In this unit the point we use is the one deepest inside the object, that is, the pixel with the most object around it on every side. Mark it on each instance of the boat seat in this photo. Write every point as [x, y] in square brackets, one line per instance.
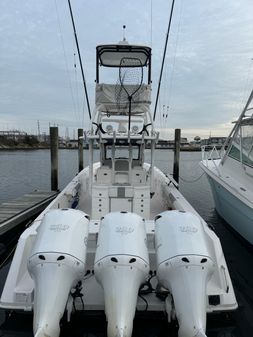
[121, 178]
[121, 165]
[121, 175]
[139, 176]
[104, 175]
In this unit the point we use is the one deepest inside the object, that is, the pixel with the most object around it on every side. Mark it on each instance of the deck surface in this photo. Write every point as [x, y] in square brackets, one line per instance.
[21, 209]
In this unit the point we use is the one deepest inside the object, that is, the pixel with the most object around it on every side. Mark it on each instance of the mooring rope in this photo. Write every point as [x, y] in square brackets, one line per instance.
[192, 181]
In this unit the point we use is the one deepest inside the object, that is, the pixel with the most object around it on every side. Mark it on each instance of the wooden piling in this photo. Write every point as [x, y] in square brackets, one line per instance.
[176, 154]
[80, 149]
[54, 157]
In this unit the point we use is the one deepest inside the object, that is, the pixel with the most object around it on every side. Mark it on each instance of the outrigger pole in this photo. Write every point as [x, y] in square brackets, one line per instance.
[80, 60]
[164, 54]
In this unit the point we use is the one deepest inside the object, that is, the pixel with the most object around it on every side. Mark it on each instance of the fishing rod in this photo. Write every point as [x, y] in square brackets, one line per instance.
[164, 54]
[80, 59]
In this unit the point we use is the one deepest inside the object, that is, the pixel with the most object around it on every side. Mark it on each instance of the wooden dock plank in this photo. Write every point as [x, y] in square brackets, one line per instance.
[21, 209]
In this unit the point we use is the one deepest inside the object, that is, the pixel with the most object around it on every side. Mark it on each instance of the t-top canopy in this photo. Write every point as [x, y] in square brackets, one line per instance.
[110, 55]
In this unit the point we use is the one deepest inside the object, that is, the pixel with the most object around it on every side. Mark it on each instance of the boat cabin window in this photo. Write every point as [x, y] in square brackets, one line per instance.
[242, 145]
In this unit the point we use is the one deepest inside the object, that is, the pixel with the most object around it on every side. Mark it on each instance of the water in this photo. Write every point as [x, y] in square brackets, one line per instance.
[24, 171]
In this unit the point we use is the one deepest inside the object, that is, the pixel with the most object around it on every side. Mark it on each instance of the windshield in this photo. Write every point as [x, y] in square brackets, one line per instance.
[242, 145]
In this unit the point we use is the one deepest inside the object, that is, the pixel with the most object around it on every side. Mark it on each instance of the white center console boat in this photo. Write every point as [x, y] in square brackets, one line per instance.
[120, 229]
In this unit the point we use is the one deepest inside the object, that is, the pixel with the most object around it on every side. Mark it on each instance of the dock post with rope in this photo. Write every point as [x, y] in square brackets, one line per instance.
[54, 157]
[176, 155]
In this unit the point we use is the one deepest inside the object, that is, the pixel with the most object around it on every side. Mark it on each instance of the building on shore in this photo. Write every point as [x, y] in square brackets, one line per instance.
[169, 144]
[15, 135]
[213, 141]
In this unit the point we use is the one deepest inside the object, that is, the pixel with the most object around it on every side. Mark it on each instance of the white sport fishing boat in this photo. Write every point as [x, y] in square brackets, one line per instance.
[230, 173]
[120, 228]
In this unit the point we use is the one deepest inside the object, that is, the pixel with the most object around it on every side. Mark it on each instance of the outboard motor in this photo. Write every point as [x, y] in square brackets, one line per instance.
[184, 267]
[121, 266]
[56, 264]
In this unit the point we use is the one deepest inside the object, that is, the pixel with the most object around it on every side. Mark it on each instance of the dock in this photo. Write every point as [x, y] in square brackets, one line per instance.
[14, 212]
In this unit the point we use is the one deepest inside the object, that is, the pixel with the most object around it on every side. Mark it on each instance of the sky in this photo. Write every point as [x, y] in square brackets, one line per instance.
[208, 72]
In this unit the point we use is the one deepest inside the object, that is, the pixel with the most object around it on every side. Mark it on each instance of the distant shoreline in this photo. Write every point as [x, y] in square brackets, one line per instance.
[30, 148]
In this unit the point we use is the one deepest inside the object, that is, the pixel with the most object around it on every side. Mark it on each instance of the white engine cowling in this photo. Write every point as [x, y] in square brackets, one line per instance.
[56, 264]
[184, 266]
[121, 266]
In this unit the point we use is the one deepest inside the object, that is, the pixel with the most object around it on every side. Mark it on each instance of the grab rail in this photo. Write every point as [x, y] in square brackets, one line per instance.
[212, 153]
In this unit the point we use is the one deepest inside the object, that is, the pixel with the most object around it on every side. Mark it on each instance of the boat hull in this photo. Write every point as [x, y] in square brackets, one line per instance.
[236, 213]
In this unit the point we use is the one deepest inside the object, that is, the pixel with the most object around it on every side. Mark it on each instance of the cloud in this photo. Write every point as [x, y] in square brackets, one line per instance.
[208, 63]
